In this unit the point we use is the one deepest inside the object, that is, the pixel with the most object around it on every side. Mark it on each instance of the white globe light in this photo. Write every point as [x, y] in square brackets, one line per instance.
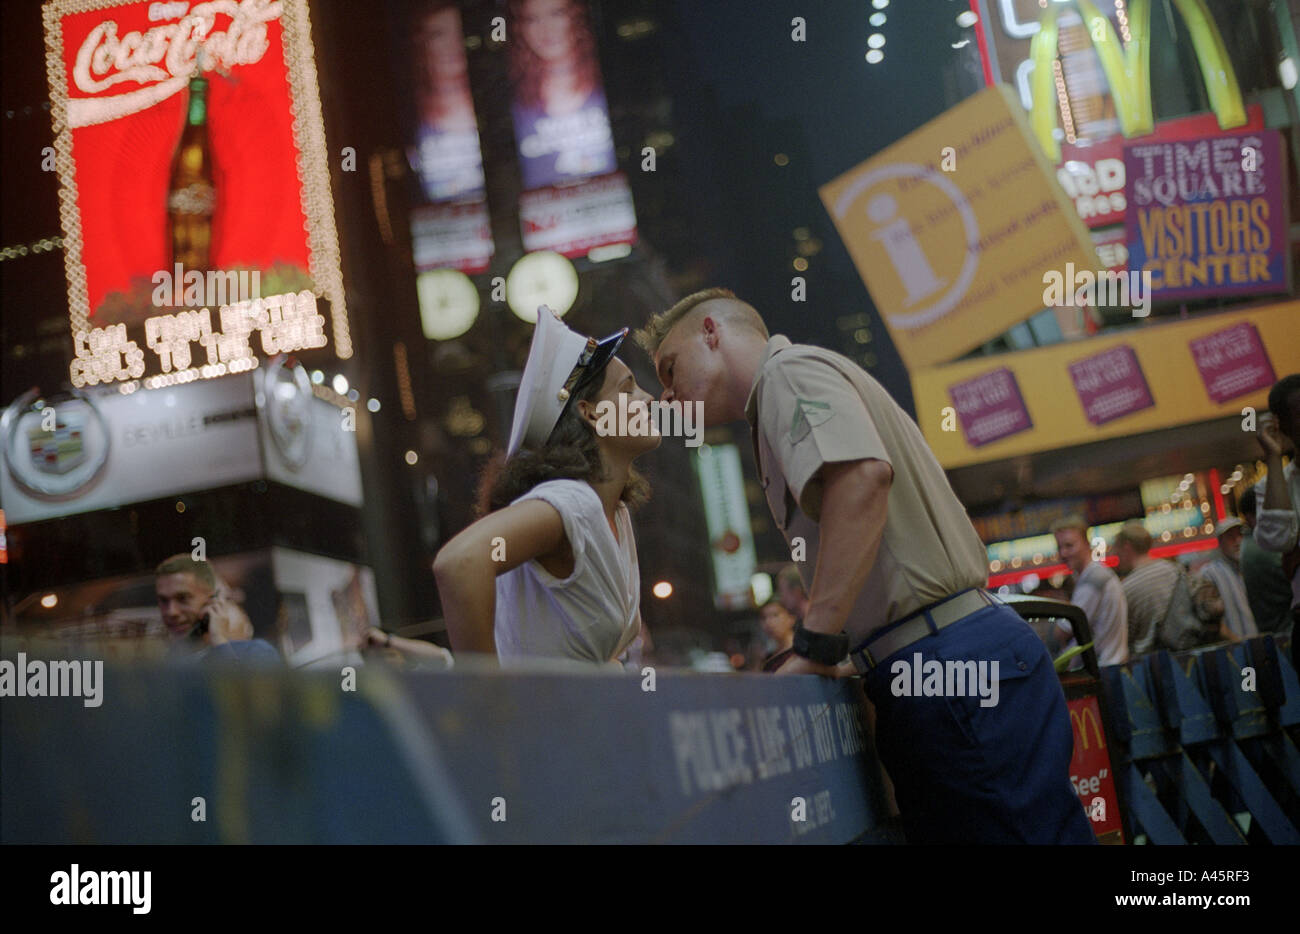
[448, 303]
[542, 278]
[875, 55]
[875, 40]
[340, 384]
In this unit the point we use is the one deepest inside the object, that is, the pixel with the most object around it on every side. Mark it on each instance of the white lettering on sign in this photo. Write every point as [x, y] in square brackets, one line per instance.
[1088, 785]
[104, 355]
[163, 58]
[717, 749]
[287, 323]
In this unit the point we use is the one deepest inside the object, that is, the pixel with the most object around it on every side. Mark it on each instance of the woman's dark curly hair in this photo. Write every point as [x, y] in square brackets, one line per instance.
[571, 453]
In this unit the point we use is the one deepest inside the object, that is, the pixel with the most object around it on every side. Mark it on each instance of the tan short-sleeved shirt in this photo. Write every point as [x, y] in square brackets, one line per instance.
[810, 407]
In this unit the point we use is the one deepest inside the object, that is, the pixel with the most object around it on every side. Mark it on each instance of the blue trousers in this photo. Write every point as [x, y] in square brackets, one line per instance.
[967, 773]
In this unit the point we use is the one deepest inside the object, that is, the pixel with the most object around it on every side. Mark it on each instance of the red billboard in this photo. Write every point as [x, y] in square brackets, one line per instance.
[194, 187]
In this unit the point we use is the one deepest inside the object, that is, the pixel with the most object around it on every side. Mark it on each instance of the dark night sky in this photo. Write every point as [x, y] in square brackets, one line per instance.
[843, 108]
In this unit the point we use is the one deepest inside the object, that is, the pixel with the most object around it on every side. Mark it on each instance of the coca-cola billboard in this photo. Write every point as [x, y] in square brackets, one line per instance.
[194, 188]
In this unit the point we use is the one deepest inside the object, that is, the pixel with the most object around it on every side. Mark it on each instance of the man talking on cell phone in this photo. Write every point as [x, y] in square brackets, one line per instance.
[896, 576]
[204, 624]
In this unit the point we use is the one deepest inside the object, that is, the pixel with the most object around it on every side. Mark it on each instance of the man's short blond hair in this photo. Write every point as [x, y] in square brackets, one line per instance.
[1135, 534]
[657, 328]
[1078, 523]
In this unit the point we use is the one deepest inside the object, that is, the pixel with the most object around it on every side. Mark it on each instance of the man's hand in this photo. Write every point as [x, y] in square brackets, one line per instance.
[798, 665]
[1270, 435]
[227, 622]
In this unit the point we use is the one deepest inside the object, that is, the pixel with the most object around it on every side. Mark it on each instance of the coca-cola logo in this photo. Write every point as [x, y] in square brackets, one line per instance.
[218, 34]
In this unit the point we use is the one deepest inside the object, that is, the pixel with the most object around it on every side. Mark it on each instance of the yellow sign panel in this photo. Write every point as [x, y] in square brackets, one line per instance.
[953, 226]
[1143, 379]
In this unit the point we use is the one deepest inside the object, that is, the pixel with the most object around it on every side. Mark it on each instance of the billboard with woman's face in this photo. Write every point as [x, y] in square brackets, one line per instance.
[561, 121]
[447, 157]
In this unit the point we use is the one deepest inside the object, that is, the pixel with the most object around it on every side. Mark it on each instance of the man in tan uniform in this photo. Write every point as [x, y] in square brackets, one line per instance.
[971, 719]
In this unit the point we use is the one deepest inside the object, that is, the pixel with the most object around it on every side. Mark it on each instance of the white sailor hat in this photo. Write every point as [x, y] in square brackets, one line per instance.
[560, 365]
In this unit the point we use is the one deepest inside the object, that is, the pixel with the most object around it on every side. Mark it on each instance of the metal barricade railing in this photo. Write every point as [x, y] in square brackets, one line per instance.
[1206, 743]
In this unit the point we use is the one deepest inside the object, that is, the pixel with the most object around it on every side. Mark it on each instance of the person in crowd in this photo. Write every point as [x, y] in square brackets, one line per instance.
[1277, 525]
[778, 624]
[1148, 586]
[550, 570]
[204, 624]
[895, 574]
[1168, 608]
[1267, 587]
[790, 591]
[1224, 572]
[1097, 592]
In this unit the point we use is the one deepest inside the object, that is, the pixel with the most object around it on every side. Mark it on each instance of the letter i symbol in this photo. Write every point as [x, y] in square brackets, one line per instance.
[903, 250]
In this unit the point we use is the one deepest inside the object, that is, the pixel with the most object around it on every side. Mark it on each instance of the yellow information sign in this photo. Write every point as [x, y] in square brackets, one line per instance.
[953, 226]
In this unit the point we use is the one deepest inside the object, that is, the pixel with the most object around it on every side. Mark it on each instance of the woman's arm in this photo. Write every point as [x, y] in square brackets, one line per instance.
[467, 566]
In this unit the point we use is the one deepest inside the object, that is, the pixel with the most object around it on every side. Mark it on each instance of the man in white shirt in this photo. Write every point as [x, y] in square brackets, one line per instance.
[1097, 591]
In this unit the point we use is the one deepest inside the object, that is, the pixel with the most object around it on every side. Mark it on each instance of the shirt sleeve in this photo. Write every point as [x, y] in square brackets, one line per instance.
[1087, 597]
[814, 416]
[1276, 529]
[568, 499]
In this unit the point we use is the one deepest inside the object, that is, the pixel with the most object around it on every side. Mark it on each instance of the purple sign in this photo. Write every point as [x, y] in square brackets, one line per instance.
[558, 104]
[1233, 362]
[990, 407]
[1110, 385]
[1208, 216]
[446, 158]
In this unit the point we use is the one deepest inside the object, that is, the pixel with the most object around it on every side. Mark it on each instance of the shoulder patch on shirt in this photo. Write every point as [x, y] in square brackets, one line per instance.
[808, 413]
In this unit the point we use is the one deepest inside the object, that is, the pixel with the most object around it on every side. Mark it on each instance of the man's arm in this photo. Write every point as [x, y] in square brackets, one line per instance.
[855, 499]
[1276, 526]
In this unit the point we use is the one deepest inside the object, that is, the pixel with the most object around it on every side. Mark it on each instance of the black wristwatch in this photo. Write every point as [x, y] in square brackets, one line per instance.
[819, 647]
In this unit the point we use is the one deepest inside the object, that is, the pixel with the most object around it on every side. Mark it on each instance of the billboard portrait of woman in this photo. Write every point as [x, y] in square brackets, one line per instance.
[561, 121]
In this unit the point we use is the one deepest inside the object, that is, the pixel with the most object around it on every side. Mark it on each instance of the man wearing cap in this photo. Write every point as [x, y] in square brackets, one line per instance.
[1224, 572]
[896, 572]
[551, 571]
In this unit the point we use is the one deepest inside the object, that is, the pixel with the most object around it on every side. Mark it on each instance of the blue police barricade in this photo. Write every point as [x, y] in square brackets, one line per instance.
[382, 756]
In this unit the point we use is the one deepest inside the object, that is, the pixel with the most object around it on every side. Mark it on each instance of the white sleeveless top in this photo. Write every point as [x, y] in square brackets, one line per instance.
[593, 614]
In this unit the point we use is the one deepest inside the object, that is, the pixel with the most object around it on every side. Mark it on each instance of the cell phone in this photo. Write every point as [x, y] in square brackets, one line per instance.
[201, 627]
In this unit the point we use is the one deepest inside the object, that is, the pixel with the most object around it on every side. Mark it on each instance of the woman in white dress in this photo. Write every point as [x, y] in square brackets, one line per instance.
[550, 570]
